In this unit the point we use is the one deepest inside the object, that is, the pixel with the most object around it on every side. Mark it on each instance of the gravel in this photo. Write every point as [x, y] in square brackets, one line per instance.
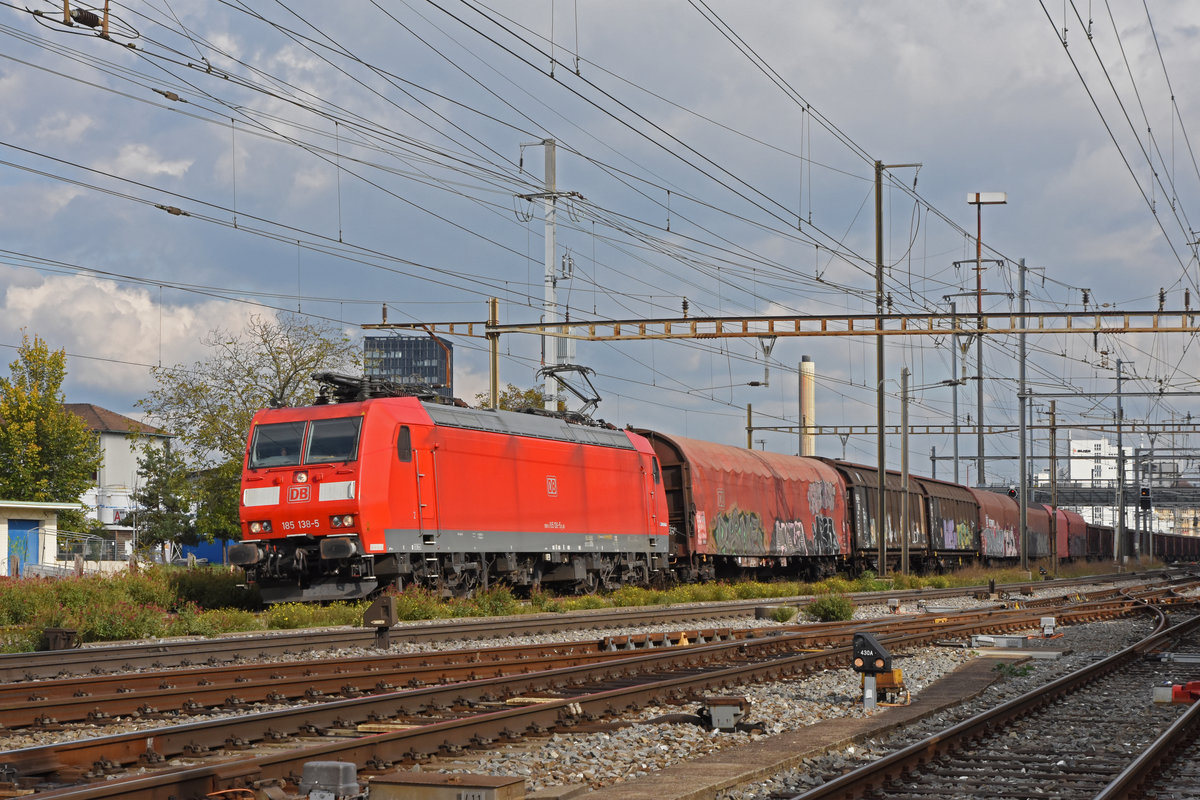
[643, 746]
[638, 745]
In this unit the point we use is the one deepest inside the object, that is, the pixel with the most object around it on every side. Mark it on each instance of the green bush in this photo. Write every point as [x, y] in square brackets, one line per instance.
[495, 602]
[868, 581]
[191, 620]
[783, 613]
[288, 616]
[121, 620]
[417, 603]
[581, 603]
[212, 587]
[21, 639]
[830, 608]
[542, 602]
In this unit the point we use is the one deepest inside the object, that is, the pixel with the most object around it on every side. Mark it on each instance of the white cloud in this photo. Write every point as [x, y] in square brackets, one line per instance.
[142, 161]
[113, 332]
[64, 127]
[35, 204]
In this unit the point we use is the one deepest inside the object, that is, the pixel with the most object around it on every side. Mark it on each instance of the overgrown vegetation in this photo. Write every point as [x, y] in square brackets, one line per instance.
[1013, 670]
[173, 601]
[830, 608]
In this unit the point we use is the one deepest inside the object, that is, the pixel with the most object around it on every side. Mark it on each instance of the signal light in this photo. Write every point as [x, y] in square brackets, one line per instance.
[870, 656]
[1144, 501]
[1012, 492]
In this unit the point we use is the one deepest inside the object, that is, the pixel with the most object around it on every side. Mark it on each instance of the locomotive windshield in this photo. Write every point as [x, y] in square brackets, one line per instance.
[333, 440]
[277, 445]
[280, 444]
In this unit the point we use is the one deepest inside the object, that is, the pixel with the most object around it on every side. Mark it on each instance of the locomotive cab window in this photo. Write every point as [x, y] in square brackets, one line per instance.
[654, 469]
[276, 445]
[404, 444]
[333, 440]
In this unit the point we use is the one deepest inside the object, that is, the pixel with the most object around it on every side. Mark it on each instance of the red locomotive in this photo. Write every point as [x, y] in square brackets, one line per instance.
[361, 491]
[339, 499]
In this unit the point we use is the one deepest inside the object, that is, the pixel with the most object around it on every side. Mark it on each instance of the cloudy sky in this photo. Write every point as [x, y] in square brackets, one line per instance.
[331, 158]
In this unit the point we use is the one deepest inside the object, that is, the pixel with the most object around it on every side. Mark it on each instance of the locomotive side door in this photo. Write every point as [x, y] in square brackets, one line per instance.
[427, 514]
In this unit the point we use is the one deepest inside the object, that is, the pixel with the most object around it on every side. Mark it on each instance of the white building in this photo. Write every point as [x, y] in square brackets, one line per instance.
[110, 500]
[28, 536]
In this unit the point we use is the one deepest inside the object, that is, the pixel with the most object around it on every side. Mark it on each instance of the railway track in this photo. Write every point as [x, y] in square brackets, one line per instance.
[241, 649]
[1077, 737]
[382, 729]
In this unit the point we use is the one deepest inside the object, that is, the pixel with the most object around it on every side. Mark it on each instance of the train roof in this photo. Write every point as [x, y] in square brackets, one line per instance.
[732, 459]
[516, 423]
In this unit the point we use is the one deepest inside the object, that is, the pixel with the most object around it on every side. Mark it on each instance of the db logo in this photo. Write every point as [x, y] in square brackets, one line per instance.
[552, 486]
[298, 494]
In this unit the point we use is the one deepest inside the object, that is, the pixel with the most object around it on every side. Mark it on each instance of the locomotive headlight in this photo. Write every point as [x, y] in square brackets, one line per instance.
[341, 520]
[263, 526]
[301, 477]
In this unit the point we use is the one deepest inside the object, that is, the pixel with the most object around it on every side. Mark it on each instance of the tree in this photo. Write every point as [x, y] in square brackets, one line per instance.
[209, 405]
[47, 454]
[217, 491]
[513, 398]
[165, 499]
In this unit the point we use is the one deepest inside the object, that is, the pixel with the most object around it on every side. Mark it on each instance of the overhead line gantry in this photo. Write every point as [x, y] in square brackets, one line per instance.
[928, 324]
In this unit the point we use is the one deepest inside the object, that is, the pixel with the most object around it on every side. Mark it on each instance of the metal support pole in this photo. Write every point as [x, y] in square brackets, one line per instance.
[550, 303]
[1118, 545]
[879, 395]
[904, 523]
[749, 426]
[980, 481]
[1023, 399]
[954, 396]
[494, 353]
[979, 200]
[1053, 468]
[1150, 511]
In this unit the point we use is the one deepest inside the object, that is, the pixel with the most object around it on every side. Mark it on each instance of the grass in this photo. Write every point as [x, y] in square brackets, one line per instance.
[172, 601]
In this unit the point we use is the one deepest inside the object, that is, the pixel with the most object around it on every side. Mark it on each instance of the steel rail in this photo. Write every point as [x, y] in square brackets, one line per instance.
[447, 736]
[161, 654]
[1135, 779]
[873, 776]
[167, 693]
